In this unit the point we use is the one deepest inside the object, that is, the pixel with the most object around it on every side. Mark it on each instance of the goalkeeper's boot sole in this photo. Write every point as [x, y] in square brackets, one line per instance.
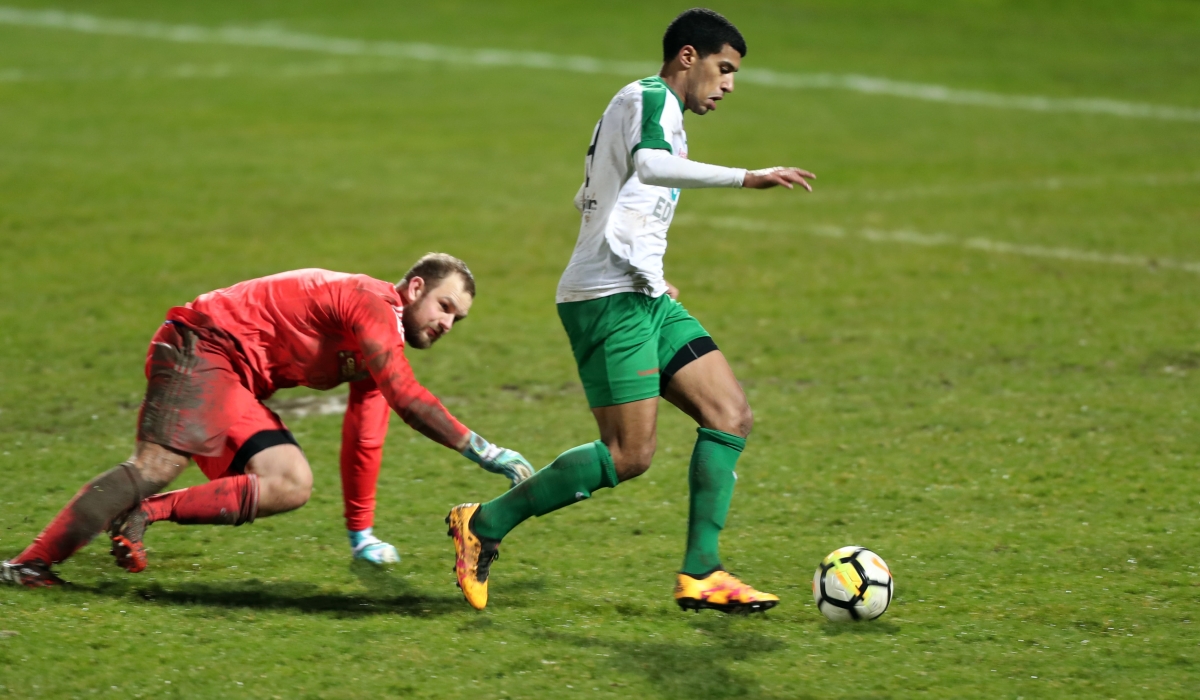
[30, 574]
[127, 533]
[722, 591]
[473, 555]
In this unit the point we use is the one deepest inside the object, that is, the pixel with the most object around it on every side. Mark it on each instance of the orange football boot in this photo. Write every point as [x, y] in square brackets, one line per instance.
[722, 591]
[473, 555]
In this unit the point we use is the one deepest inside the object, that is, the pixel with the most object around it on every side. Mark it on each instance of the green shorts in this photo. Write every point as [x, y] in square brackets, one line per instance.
[626, 345]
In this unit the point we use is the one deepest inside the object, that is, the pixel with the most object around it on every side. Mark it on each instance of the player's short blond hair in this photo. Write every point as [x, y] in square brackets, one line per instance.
[435, 267]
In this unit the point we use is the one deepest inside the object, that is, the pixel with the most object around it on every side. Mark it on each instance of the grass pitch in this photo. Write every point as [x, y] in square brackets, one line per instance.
[1014, 432]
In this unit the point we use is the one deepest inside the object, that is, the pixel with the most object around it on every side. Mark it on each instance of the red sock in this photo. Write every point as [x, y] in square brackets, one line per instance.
[61, 538]
[232, 500]
[88, 513]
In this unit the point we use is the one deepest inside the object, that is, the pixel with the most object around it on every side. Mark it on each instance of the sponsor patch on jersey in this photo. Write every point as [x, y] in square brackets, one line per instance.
[351, 367]
[663, 210]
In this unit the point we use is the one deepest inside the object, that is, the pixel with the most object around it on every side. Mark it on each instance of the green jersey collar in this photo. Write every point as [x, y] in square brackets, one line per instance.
[658, 78]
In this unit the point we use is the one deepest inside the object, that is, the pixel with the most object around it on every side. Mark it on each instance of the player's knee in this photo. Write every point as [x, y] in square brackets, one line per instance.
[734, 418]
[296, 497]
[296, 486]
[632, 461]
[281, 494]
[157, 465]
[745, 421]
[285, 479]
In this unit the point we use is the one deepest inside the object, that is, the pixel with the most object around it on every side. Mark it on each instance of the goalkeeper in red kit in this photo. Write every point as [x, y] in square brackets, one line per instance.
[214, 361]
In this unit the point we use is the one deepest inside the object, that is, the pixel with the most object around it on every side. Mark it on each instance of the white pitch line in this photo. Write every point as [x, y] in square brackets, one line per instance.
[270, 37]
[978, 98]
[202, 71]
[1045, 184]
[909, 237]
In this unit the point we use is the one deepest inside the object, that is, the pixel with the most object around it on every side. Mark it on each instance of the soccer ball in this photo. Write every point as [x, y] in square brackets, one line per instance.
[852, 583]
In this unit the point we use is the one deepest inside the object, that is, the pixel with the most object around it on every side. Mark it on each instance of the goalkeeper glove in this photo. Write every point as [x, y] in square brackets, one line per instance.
[498, 460]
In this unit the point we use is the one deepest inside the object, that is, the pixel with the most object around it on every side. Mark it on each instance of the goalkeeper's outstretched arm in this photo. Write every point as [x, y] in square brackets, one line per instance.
[375, 325]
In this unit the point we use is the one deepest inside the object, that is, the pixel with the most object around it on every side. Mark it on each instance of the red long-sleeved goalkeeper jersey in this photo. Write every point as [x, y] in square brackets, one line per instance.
[318, 329]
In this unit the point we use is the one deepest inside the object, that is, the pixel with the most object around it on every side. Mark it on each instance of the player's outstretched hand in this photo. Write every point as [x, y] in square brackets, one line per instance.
[776, 177]
[497, 459]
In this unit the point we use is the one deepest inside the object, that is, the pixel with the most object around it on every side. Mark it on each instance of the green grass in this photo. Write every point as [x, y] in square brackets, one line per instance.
[1016, 436]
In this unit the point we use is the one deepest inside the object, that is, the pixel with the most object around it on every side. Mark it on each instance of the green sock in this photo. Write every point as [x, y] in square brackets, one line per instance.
[570, 478]
[710, 480]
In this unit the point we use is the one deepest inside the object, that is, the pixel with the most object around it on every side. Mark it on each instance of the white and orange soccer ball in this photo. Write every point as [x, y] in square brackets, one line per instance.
[852, 583]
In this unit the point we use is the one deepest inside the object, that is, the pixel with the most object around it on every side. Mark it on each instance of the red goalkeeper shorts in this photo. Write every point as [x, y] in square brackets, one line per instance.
[197, 404]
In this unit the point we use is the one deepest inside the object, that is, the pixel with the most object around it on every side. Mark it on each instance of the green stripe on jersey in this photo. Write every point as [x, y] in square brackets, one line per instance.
[654, 99]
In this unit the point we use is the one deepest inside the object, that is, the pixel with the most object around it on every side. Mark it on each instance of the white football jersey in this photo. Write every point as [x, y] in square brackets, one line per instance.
[623, 234]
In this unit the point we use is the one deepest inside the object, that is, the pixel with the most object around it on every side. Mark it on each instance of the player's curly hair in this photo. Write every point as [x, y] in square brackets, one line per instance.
[705, 30]
[435, 267]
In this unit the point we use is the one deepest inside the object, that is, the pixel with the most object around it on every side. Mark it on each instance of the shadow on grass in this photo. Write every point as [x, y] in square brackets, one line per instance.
[859, 629]
[383, 583]
[696, 668]
[387, 596]
[519, 592]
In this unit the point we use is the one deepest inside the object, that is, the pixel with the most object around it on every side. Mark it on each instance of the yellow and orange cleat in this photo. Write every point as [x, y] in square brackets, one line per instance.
[473, 555]
[722, 591]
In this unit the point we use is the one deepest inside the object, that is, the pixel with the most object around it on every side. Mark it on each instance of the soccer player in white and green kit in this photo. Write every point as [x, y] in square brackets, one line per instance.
[632, 340]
